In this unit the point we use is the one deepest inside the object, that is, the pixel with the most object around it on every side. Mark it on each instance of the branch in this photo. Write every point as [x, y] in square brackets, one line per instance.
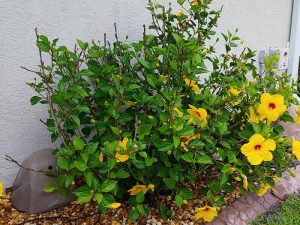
[49, 97]
[10, 159]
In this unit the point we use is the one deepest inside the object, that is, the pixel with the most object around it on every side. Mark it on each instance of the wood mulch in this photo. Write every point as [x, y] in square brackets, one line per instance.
[87, 214]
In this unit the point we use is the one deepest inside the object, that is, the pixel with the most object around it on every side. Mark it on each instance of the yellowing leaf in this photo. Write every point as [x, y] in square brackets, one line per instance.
[114, 205]
[1, 189]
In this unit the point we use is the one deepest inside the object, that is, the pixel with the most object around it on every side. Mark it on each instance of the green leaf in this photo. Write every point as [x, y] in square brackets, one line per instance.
[115, 130]
[170, 183]
[108, 185]
[76, 120]
[144, 129]
[84, 194]
[89, 177]
[82, 45]
[80, 165]
[165, 146]
[86, 73]
[176, 141]
[188, 131]
[204, 159]
[133, 214]
[43, 43]
[35, 99]
[99, 197]
[49, 188]
[256, 128]
[140, 197]
[149, 161]
[84, 109]
[78, 143]
[91, 148]
[63, 163]
[177, 38]
[145, 64]
[133, 86]
[180, 2]
[139, 164]
[122, 174]
[188, 157]
[223, 128]
[179, 200]
[186, 193]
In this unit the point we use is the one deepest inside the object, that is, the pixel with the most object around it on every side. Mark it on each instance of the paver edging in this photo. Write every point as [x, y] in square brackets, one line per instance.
[250, 205]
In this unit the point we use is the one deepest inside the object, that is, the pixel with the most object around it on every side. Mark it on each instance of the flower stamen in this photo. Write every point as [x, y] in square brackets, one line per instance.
[257, 147]
[272, 106]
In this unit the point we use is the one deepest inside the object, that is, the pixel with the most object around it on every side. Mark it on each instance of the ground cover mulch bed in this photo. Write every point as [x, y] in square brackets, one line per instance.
[87, 214]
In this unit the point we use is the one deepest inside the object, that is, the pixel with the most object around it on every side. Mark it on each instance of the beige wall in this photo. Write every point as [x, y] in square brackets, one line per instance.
[262, 23]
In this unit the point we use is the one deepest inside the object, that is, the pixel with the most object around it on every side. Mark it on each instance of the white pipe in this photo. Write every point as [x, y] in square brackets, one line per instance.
[295, 41]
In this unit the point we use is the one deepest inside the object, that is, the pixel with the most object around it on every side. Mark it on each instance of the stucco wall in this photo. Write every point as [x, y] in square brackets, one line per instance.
[262, 23]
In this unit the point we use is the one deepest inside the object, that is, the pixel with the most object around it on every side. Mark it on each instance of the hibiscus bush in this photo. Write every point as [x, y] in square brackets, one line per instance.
[137, 119]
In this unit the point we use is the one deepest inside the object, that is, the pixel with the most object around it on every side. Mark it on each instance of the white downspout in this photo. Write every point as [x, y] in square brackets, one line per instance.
[295, 41]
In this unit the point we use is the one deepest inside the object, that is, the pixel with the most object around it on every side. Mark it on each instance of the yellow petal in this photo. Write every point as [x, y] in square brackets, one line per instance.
[210, 214]
[196, 89]
[246, 149]
[255, 159]
[257, 139]
[267, 156]
[179, 113]
[203, 113]
[265, 98]
[199, 215]
[121, 158]
[193, 107]
[278, 99]
[269, 145]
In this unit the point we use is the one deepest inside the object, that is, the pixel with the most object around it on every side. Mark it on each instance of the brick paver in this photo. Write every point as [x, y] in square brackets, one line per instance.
[249, 206]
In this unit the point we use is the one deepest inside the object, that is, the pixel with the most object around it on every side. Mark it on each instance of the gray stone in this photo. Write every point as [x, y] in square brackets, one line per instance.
[28, 195]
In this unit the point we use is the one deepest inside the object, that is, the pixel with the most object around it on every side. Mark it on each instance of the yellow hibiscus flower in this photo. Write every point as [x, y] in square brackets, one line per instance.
[141, 188]
[186, 139]
[206, 213]
[192, 84]
[255, 117]
[200, 114]
[271, 106]
[297, 118]
[123, 145]
[258, 149]
[296, 148]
